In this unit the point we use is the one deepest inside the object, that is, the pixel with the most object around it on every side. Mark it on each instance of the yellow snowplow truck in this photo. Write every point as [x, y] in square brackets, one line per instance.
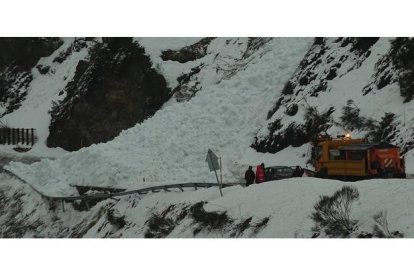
[351, 159]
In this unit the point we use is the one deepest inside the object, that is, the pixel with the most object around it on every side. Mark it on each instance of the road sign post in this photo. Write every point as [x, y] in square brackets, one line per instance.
[213, 165]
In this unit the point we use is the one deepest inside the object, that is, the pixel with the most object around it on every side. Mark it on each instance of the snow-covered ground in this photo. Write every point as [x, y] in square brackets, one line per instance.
[288, 204]
[171, 146]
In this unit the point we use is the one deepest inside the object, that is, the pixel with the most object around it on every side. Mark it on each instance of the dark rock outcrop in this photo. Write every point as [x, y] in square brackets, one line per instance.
[25, 52]
[113, 91]
[189, 53]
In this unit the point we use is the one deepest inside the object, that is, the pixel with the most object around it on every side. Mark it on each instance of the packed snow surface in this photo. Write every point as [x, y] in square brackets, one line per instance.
[171, 146]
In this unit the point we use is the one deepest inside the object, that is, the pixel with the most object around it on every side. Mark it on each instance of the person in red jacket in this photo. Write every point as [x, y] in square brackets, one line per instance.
[260, 173]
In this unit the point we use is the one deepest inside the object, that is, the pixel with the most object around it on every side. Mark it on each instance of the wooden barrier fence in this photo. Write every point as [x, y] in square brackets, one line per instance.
[16, 136]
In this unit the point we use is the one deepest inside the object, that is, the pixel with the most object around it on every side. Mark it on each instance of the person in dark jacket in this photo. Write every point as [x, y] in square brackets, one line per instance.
[249, 176]
[260, 173]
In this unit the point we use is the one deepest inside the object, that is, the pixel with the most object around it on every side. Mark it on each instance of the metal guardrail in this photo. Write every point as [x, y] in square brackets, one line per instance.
[86, 198]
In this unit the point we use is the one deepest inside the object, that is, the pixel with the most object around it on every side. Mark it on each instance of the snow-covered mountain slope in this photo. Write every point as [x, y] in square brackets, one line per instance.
[171, 146]
[18, 56]
[277, 209]
[42, 90]
[83, 91]
[250, 100]
[334, 71]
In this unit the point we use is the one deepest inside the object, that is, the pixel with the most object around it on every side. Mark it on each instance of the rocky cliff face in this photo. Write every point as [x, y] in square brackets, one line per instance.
[17, 58]
[24, 53]
[115, 89]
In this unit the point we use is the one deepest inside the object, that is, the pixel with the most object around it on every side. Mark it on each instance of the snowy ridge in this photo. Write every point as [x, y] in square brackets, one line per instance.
[171, 146]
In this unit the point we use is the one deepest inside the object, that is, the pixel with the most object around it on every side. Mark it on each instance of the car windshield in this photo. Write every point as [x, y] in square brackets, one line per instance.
[279, 169]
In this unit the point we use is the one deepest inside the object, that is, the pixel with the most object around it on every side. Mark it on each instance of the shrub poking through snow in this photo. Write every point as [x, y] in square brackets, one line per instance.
[332, 213]
[162, 224]
[260, 225]
[350, 116]
[274, 126]
[115, 218]
[381, 228]
[159, 226]
[208, 220]
[385, 130]
[382, 131]
[316, 122]
[241, 227]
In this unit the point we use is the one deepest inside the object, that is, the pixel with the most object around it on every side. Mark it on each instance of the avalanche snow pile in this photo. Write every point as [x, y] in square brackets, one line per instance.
[224, 114]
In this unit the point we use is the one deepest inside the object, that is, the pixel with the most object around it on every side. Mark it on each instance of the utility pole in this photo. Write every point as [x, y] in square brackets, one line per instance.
[221, 174]
[404, 113]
